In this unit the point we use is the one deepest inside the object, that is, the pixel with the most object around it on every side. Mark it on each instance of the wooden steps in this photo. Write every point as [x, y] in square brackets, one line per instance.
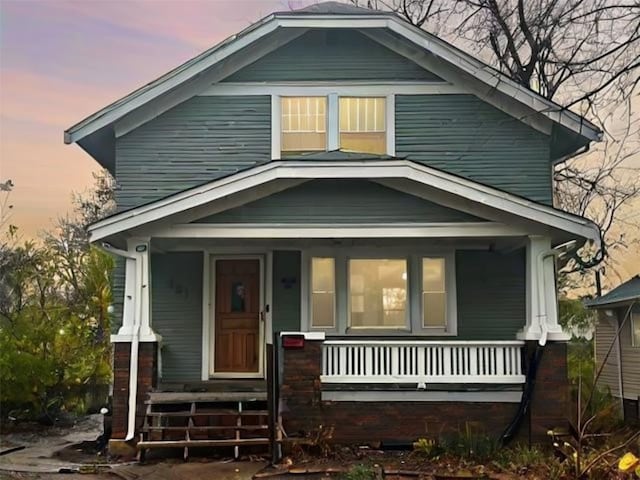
[204, 419]
[203, 443]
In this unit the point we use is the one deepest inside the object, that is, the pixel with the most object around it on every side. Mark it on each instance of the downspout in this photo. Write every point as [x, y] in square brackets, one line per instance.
[135, 341]
[536, 357]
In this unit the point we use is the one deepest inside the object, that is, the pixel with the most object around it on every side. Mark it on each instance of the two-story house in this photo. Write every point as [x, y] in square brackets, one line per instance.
[352, 204]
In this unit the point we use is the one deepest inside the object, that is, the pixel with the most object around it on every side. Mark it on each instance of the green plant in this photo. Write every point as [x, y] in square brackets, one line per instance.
[359, 472]
[469, 443]
[427, 447]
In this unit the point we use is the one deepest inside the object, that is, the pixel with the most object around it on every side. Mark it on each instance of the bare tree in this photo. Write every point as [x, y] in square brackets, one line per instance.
[5, 207]
[583, 55]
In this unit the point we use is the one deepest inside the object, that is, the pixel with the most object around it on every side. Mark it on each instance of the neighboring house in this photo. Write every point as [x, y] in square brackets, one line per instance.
[380, 196]
[619, 310]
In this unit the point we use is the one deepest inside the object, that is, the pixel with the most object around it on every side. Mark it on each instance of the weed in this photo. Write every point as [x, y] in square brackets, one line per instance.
[470, 444]
[359, 472]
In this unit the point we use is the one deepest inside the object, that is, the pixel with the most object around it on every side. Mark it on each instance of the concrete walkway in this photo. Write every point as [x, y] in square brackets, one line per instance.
[38, 454]
[160, 471]
[38, 459]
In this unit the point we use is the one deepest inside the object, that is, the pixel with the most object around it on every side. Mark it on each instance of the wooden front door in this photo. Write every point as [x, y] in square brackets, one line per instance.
[237, 316]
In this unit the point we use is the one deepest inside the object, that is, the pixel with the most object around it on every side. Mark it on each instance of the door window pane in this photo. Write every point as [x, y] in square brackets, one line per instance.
[434, 295]
[362, 124]
[378, 293]
[323, 293]
[304, 124]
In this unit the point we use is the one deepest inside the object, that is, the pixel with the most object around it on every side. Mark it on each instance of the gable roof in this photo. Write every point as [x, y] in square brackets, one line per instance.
[623, 293]
[384, 171]
[95, 132]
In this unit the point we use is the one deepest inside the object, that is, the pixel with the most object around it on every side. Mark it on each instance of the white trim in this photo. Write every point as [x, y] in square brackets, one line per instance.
[419, 230]
[420, 396]
[255, 33]
[390, 120]
[434, 343]
[206, 320]
[314, 336]
[333, 121]
[276, 126]
[340, 88]
[384, 169]
[128, 338]
[213, 258]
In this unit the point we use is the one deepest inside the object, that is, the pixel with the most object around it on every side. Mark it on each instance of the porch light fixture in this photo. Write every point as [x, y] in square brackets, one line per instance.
[293, 341]
[141, 248]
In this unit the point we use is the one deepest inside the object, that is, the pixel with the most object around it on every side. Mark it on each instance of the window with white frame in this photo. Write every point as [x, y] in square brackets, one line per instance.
[362, 124]
[434, 293]
[378, 293]
[330, 122]
[304, 124]
[414, 293]
[323, 294]
[635, 329]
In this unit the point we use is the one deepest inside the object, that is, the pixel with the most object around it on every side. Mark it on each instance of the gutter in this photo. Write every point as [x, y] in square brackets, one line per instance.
[135, 342]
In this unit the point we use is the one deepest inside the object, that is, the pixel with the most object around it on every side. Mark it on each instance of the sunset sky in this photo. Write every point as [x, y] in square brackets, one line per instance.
[63, 60]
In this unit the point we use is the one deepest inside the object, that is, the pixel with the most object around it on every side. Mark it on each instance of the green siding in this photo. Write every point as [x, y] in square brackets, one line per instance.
[466, 136]
[491, 294]
[332, 55]
[117, 294]
[198, 141]
[286, 291]
[340, 201]
[176, 303]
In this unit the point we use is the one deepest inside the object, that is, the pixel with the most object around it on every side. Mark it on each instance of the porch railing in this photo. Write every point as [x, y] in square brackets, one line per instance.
[391, 361]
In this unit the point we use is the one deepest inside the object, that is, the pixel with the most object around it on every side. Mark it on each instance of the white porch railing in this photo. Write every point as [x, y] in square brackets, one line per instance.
[391, 361]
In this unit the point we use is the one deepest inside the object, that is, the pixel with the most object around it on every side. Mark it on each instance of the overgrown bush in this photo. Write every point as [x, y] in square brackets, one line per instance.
[54, 320]
[53, 334]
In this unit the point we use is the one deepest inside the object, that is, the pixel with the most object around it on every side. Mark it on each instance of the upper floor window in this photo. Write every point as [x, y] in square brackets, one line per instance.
[304, 124]
[362, 124]
[331, 122]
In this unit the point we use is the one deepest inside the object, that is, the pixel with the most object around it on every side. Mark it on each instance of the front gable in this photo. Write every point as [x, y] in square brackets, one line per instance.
[340, 202]
[332, 55]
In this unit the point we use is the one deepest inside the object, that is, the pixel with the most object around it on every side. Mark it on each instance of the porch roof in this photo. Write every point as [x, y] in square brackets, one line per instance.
[400, 174]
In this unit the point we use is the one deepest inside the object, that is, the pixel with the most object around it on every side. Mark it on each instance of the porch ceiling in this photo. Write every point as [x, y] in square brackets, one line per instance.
[507, 214]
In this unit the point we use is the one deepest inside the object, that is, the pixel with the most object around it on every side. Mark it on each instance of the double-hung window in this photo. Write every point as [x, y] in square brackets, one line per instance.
[414, 293]
[323, 123]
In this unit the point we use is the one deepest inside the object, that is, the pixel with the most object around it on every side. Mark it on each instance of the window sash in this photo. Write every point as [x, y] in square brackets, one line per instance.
[304, 114]
[316, 291]
[362, 114]
[436, 289]
[357, 297]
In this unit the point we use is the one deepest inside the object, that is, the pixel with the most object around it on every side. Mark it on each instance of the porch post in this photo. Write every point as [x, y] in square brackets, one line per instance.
[135, 348]
[541, 298]
[137, 293]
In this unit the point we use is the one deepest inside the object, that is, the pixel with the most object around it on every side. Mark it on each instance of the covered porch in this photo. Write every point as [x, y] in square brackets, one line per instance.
[380, 281]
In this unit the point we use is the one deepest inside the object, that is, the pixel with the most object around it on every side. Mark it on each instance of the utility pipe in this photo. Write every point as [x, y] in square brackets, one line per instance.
[135, 339]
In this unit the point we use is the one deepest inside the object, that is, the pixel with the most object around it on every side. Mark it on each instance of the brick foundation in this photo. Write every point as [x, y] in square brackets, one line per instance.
[354, 422]
[147, 376]
[550, 405]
